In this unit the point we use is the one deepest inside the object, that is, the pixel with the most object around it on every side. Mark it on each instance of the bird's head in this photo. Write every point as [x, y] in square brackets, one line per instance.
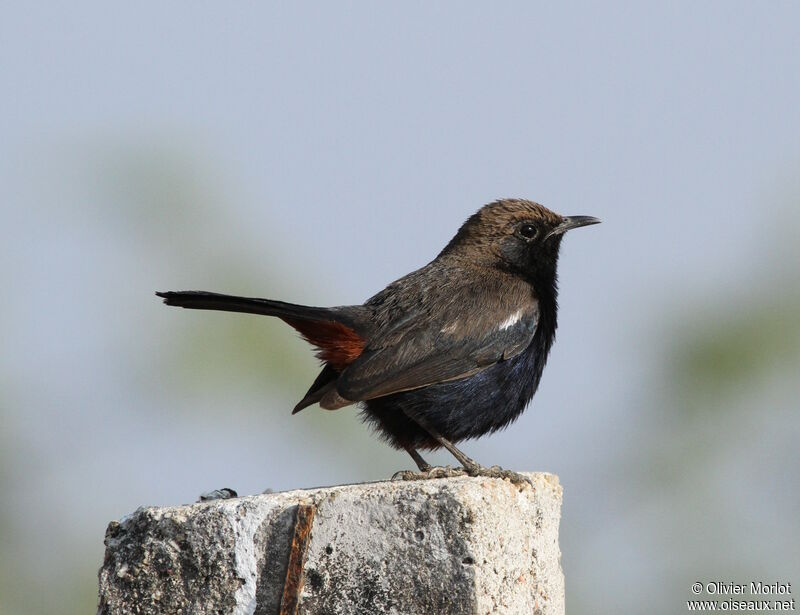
[514, 234]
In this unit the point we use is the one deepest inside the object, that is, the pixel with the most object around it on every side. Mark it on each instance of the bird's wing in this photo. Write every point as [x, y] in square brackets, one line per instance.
[467, 334]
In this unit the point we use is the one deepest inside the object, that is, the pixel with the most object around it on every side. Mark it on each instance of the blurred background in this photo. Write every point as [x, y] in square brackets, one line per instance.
[314, 153]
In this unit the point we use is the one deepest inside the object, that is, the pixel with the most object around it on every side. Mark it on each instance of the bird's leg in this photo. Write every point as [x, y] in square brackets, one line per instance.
[423, 465]
[471, 467]
[426, 470]
[468, 464]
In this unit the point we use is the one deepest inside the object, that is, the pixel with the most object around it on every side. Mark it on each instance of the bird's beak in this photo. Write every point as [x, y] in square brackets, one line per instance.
[571, 222]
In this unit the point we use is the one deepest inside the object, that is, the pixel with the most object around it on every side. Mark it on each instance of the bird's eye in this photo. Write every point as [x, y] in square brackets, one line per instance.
[528, 231]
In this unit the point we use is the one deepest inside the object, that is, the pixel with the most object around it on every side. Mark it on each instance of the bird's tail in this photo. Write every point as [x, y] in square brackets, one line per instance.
[203, 300]
[338, 333]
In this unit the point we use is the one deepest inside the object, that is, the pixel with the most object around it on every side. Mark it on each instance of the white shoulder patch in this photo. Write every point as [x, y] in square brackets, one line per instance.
[511, 320]
[451, 328]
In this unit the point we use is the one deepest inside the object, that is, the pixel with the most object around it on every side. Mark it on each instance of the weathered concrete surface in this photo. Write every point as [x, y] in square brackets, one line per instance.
[459, 545]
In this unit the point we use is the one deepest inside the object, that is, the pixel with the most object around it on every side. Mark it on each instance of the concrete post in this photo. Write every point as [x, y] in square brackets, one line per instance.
[458, 545]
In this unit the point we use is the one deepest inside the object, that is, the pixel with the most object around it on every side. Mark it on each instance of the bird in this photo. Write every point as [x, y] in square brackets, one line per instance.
[452, 351]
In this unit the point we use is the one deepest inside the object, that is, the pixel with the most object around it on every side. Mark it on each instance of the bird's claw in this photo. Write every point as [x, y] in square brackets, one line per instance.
[432, 472]
[472, 470]
[498, 472]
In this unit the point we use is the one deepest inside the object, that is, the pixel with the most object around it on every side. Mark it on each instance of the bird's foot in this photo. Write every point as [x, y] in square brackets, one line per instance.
[430, 472]
[471, 470]
[498, 472]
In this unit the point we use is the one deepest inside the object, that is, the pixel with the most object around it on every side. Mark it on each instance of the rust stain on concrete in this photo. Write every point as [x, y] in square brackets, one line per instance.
[304, 519]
